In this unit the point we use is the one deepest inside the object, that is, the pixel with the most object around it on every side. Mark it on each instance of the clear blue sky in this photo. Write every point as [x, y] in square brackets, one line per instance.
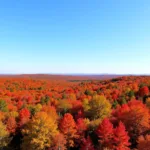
[75, 36]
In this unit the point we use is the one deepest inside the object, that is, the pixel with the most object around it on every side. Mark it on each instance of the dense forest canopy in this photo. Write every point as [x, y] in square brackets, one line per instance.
[52, 114]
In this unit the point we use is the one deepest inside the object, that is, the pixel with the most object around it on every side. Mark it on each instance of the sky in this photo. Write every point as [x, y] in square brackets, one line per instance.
[75, 36]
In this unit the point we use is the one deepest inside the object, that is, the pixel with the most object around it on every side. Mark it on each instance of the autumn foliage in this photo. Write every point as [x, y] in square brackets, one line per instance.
[39, 132]
[47, 114]
[105, 133]
[68, 127]
[143, 142]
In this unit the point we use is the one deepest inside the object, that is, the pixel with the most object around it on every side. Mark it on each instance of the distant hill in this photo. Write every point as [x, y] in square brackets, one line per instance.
[63, 77]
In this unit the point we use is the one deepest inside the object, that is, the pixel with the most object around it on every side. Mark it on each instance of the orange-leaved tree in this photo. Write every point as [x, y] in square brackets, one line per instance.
[11, 124]
[143, 142]
[68, 127]
[59, 142]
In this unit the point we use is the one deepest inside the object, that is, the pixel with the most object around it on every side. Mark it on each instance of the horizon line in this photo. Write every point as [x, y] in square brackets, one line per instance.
[81, 74]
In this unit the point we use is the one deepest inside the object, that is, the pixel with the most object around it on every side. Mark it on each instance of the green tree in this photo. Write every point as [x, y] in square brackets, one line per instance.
[3, 106]
[115, 103]
[123, 101]
[131, 93]
[88, 92]
[45, 100]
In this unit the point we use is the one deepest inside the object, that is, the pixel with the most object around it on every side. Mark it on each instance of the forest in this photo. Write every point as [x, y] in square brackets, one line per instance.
[53, 114]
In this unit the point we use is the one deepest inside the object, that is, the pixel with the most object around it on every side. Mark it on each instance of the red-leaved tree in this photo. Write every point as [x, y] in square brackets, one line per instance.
[87, 144]
[121, 138]
[24, 116]
[105, 133]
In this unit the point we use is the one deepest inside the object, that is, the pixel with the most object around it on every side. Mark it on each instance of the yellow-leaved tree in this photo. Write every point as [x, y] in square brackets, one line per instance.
[85, 104]
[64, 106]
[99, 107]
[4, 136]
[39, 132]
